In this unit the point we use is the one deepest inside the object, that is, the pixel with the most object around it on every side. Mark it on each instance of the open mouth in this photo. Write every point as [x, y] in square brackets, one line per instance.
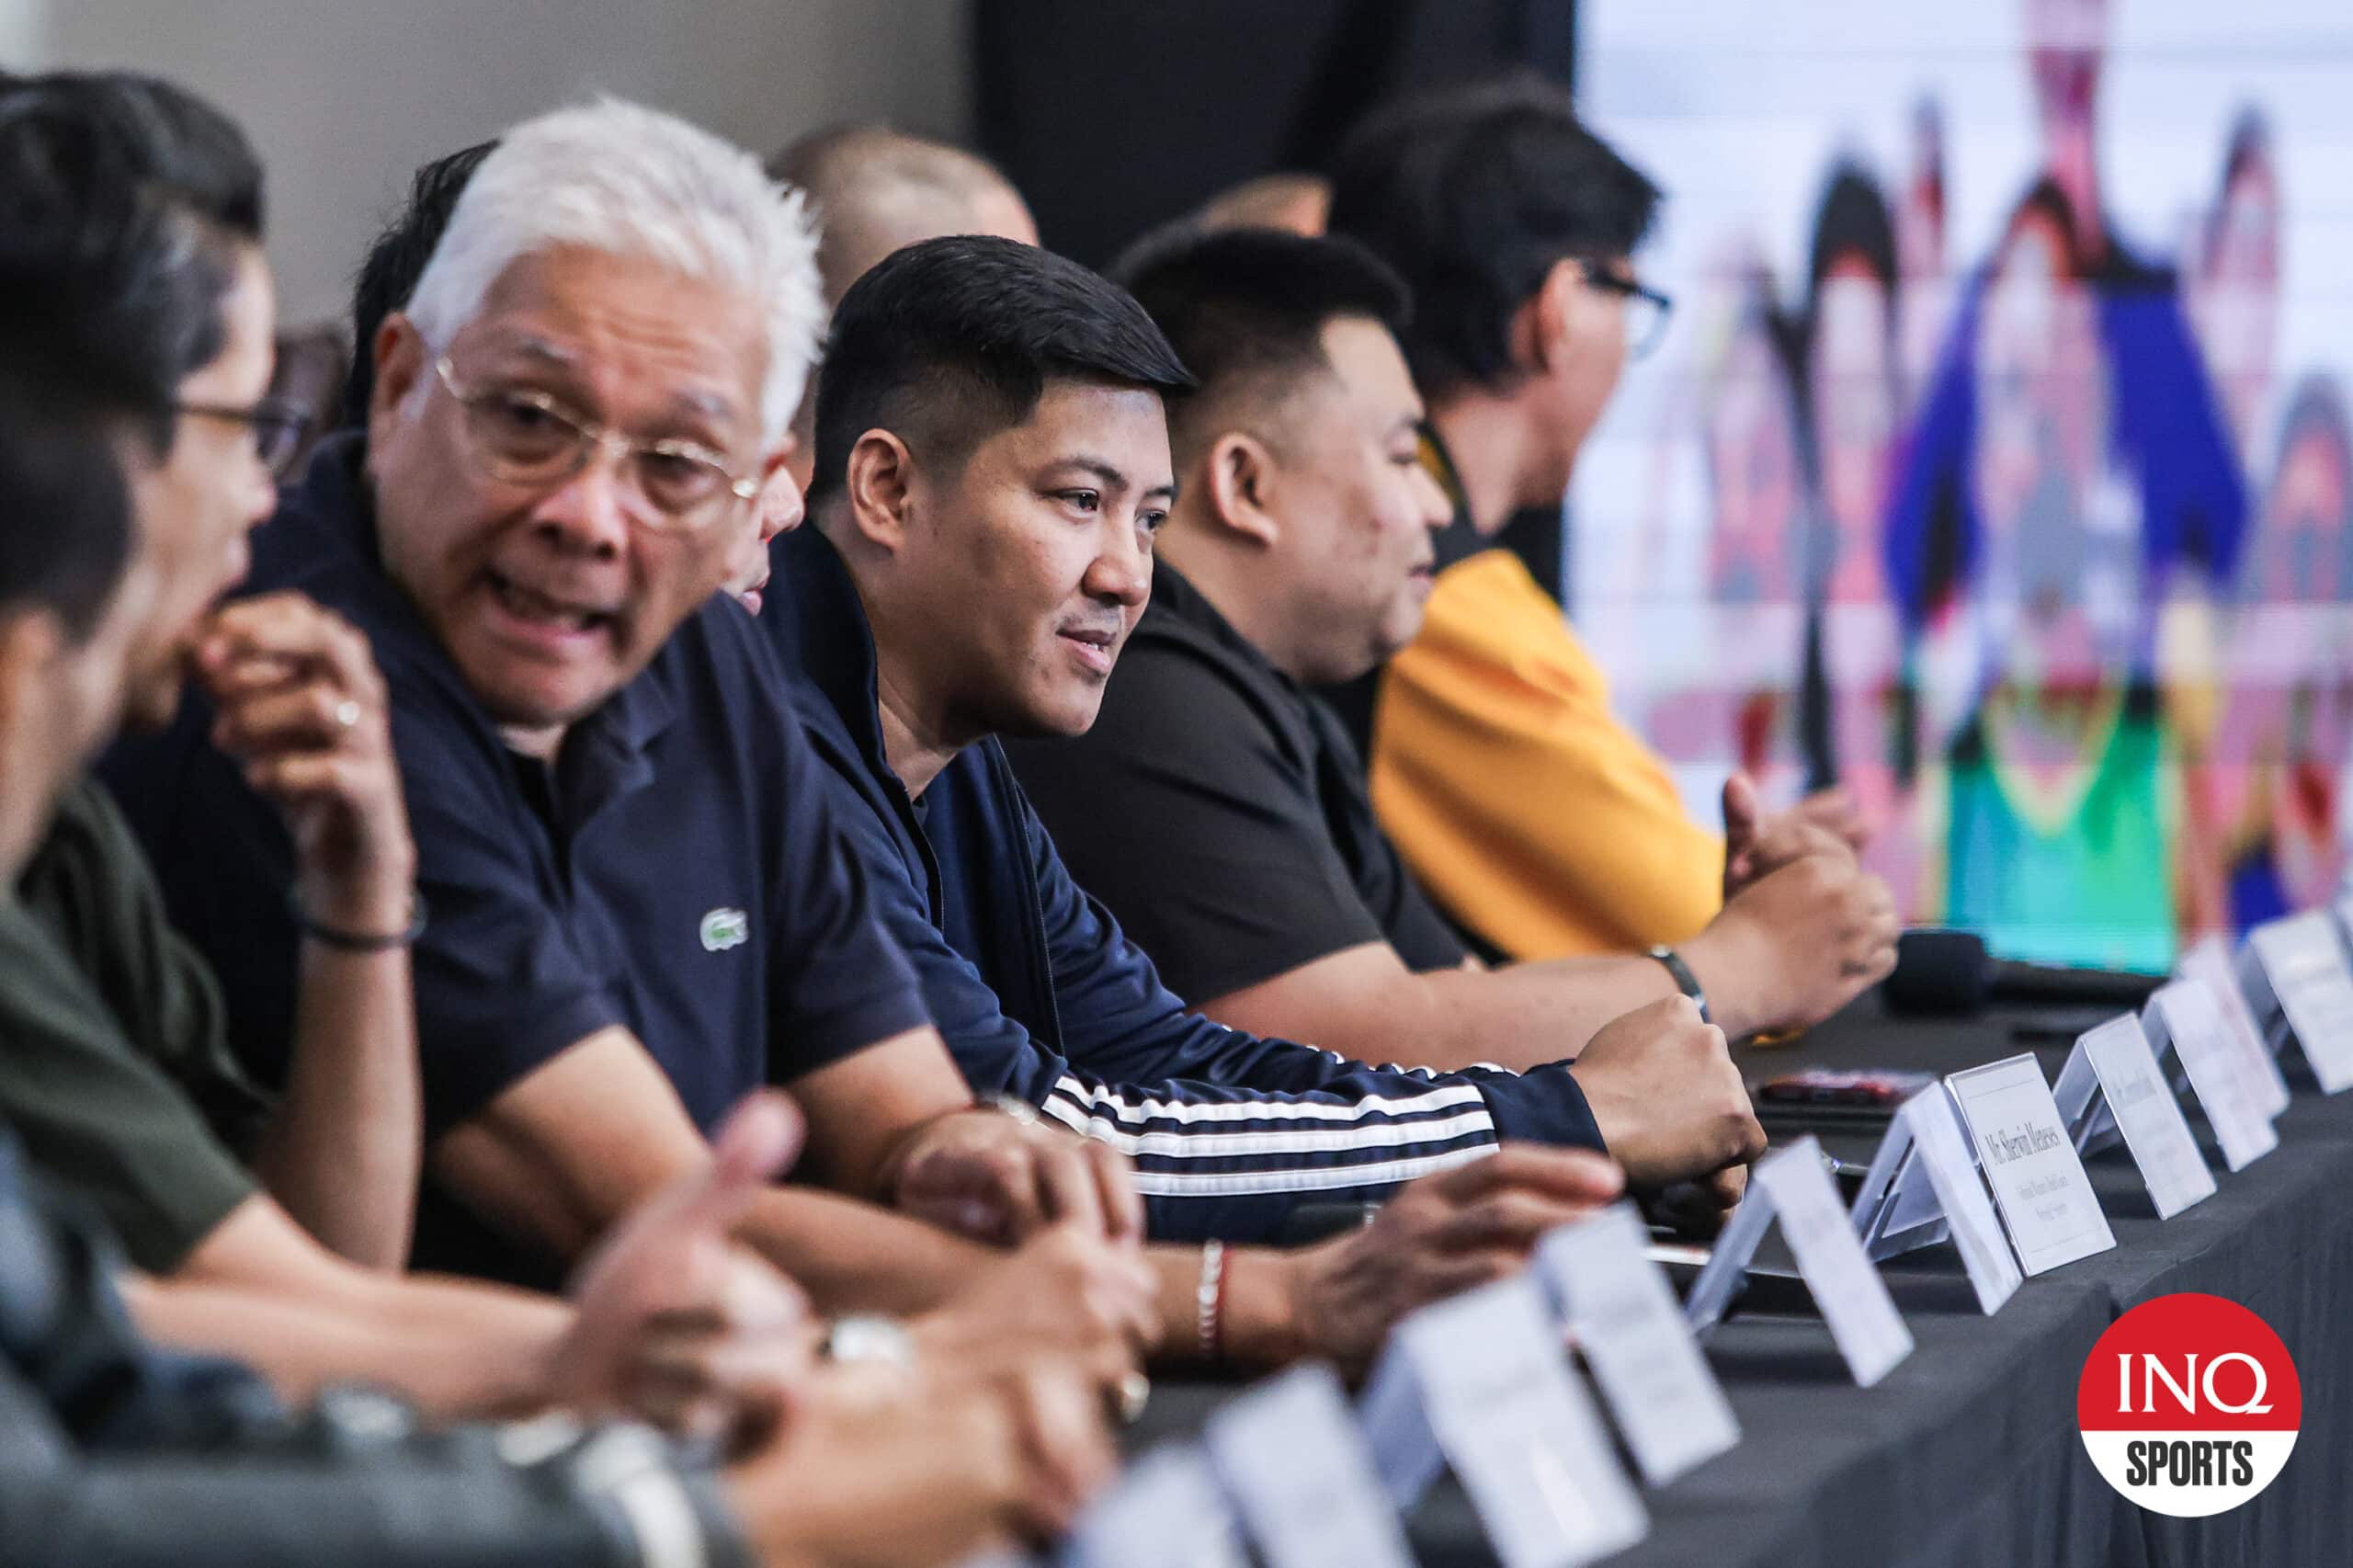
[1092, 647]
[545, 613]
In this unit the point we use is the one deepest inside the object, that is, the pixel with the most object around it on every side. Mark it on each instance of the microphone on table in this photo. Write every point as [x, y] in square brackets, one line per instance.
[1951, 972]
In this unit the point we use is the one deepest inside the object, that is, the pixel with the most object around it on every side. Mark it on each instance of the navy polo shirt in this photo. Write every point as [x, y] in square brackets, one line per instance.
[677, 872]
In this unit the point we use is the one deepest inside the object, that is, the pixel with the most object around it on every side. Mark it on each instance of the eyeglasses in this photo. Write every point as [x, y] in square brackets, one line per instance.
[1646, 309]
[276, 428]
[526, 437]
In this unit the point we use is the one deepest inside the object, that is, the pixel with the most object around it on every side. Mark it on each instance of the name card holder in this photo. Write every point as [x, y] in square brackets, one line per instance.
[1292, 1459]
[1895, 1211]
[1482, 1379]
[2029, 1160]
[1664, 1397]
[2147, 1115]
[2182, 1014]
[1944, 1155]
[2209, 961]
[1791, 1184]
[1166, 1512]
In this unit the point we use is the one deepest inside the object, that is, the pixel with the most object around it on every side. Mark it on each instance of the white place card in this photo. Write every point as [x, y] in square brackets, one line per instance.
[2305, 964]
[2039, 1183]
[1668, 1405]
[1293, 1461]
[1487, 1374]
[1166, 1512]
[1960, 1192]
[2151, 1120]
[2184, 1014]
[1847, 1289]
[2209, 962]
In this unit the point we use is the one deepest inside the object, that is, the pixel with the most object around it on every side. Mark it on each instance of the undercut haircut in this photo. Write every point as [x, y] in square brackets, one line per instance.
[1244, 308]
[65, 523]
[123, 203]
[1474, 194]
[396, 260]
[949, 342]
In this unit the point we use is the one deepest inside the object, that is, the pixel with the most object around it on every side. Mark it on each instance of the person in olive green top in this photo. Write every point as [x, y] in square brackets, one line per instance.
[89, 965]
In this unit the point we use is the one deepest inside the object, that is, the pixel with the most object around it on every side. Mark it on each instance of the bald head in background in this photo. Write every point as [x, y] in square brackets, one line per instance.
[1294, 202]
[878, 190]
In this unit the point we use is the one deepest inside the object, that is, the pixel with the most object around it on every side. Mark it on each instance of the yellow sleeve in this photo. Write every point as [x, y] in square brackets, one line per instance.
[1524, 806]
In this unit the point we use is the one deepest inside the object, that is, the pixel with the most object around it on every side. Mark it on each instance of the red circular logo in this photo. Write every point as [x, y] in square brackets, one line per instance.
[2189, 1404]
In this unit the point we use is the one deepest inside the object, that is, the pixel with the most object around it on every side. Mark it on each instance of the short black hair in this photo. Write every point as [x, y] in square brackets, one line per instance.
[66, 522]
[121, 201]
[196, 152]
[1474, 194]
[951, 340]
[395, 261]
[1249, 305]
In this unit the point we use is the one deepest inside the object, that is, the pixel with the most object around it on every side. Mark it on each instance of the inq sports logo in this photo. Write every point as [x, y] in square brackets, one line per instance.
[2189, 1404]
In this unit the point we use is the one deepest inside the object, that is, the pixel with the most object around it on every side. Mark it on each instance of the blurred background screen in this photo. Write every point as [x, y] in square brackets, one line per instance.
[1997, 462]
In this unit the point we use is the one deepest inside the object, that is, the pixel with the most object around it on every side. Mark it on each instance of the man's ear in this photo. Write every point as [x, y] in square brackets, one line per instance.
[400, 364]
[1541, 330]
[877, 488]
[1241, 476]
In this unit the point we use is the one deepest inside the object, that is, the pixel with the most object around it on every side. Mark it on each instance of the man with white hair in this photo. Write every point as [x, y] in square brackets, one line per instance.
[632, 908]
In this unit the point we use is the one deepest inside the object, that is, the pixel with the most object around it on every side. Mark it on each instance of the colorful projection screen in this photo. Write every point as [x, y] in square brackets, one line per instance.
[1996, 463]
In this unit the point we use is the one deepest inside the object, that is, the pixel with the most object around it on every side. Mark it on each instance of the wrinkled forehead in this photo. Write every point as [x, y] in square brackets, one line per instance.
[620, 328]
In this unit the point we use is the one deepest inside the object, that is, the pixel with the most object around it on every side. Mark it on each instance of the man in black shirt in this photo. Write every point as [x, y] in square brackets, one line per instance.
[1299, 552]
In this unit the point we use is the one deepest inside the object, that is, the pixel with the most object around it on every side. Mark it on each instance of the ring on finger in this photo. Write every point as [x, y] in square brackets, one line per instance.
[1135, 1392]
[347, 712]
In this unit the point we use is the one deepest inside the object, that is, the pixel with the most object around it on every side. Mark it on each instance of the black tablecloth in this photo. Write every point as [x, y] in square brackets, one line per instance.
[1967, 1454]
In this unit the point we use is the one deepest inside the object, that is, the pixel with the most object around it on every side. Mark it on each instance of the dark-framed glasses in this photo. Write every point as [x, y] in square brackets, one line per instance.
[276, 428]
[1646, 308]
[526, 437]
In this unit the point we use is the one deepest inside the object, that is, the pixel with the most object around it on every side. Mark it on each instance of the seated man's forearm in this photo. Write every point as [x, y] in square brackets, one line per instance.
[344, 1150]
[452, 1348]
[1366, 1005]
[852, 1256]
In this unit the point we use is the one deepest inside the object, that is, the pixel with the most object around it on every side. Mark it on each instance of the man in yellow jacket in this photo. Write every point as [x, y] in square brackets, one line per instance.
[1540, 824]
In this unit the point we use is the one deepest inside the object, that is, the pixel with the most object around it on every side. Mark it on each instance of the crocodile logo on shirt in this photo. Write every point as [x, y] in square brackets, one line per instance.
[725, 928]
